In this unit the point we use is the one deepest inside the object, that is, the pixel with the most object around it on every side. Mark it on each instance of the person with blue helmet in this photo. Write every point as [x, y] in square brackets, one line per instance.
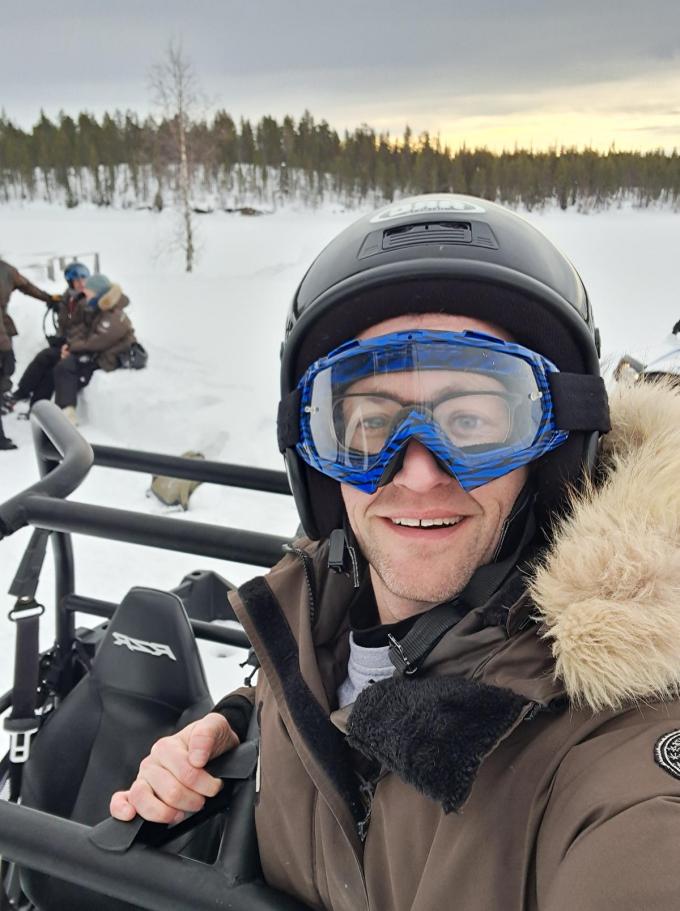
[37, 380]
[469, 679]
[76, 272]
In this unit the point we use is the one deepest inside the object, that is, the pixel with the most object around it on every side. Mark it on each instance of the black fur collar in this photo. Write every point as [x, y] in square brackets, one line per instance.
[433, 732]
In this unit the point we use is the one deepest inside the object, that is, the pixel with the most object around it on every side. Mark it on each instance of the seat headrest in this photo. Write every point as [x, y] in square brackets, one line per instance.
[149, 650]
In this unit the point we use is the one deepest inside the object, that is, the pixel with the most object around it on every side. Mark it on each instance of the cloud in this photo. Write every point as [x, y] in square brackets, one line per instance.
[443, 67]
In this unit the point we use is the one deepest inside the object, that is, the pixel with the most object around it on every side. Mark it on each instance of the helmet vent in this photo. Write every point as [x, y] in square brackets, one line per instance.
[451, 232]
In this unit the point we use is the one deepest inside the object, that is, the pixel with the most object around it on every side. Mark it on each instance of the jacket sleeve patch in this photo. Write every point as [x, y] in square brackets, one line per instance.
[667, 753]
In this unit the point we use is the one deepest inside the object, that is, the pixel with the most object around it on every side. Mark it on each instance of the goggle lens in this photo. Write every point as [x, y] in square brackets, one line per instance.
[477, 403]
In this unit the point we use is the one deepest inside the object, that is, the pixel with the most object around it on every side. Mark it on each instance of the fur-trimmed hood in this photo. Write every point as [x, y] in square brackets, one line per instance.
[608, 593]
[114, 297]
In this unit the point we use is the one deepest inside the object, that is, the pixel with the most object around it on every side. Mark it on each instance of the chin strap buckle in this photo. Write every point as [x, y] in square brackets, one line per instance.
[409, 653]
[399, 658]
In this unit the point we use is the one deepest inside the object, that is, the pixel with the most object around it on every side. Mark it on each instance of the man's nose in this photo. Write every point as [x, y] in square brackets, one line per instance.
[420, 471]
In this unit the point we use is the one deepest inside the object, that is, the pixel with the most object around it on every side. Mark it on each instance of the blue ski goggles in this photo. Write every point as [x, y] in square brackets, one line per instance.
[480, 405]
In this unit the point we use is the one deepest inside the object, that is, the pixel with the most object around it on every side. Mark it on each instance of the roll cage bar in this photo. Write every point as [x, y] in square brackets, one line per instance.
[142, 875]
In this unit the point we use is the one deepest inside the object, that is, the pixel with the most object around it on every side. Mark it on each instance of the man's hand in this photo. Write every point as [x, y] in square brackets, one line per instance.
[171, 780]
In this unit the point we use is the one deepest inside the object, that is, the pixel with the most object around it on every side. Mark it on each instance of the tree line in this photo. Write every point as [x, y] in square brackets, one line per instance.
[122, 160]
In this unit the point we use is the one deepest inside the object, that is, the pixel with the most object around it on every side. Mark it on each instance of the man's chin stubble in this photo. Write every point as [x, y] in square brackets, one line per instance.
[420, 589]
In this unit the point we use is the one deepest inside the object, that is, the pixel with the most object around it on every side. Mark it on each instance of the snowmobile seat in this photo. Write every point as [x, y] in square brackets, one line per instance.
[146, 681]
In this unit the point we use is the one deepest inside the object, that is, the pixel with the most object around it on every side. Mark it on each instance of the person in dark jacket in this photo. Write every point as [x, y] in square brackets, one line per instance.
[5, 442]
[37, 380]
[96, 342]
[12, 280]
[469, 684]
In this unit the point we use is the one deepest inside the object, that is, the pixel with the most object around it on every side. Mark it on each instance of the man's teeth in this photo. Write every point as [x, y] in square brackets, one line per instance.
[427, 523]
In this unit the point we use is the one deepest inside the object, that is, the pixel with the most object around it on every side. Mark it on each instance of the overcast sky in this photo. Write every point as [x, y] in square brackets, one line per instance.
[496, 72]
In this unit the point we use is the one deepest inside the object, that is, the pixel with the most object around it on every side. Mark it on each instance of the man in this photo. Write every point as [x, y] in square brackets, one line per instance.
[37, 381]
[96, 342]
[462, 703]
[12, 280]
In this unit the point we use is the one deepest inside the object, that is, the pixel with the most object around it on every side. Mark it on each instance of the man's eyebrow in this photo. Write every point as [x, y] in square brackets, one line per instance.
[449, 386]
[439, 395]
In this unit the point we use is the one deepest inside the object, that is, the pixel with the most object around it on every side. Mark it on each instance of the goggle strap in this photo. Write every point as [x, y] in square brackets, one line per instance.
[579, 402]
[288, 420]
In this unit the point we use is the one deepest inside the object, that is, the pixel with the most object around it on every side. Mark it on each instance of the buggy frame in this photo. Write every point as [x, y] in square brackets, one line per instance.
[142, 875]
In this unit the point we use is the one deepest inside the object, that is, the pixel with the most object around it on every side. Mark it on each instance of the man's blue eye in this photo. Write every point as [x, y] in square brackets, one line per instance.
[466, 421]
[374, 423]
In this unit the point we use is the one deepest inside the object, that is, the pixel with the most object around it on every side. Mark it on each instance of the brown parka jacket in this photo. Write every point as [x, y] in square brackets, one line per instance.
[105, 331]
[533, 764]
[12, 280]
[71, 312]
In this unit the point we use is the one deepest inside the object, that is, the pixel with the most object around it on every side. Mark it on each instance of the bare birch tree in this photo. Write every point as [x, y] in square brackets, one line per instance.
[175, 90]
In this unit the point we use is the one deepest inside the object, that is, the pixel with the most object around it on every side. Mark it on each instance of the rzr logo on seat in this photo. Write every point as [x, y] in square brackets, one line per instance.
[138, 645]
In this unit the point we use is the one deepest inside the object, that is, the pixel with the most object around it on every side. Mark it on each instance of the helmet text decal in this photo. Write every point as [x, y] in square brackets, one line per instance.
[423, 205]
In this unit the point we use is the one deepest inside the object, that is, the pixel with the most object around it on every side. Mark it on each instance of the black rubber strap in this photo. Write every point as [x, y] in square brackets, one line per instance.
[288, 421]
[25, 582]
[117, 836]
[580, 402]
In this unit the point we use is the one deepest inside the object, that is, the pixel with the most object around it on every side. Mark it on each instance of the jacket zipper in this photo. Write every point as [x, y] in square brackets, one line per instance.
[367, 795]
[306, 561]
[367, 789]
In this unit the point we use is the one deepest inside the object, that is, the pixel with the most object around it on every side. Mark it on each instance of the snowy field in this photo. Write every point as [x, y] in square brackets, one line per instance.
[212, 382]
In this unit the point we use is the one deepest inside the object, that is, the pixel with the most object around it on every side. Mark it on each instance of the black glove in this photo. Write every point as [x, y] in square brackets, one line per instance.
[676, 328]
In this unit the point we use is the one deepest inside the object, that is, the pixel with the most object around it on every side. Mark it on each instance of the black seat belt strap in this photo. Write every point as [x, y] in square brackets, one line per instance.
[22, 723]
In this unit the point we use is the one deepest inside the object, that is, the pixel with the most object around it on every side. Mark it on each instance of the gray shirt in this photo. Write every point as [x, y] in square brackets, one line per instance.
[366, 665]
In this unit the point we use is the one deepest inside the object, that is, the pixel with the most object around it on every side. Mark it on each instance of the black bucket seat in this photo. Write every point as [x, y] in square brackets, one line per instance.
[146, 681]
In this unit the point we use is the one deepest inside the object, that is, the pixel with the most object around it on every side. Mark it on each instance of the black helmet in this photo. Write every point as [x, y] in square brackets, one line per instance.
[444, 253]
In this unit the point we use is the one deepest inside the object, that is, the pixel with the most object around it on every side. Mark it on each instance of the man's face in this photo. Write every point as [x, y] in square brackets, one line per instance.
[78, 284]
[413, 568]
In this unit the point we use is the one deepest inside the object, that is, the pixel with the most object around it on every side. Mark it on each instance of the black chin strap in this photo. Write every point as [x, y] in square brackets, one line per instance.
[344, 555]
[408, 654]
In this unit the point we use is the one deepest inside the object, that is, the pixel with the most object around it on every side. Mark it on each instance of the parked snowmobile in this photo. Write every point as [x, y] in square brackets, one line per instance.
[83, 714]
[664, 361]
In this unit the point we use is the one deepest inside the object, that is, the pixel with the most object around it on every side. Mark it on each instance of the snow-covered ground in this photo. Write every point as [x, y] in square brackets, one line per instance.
[212, 381]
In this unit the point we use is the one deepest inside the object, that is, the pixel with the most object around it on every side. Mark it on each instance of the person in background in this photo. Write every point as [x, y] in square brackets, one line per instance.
[37, 381]
[5, 442]
[12, 280]
[97, 342]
